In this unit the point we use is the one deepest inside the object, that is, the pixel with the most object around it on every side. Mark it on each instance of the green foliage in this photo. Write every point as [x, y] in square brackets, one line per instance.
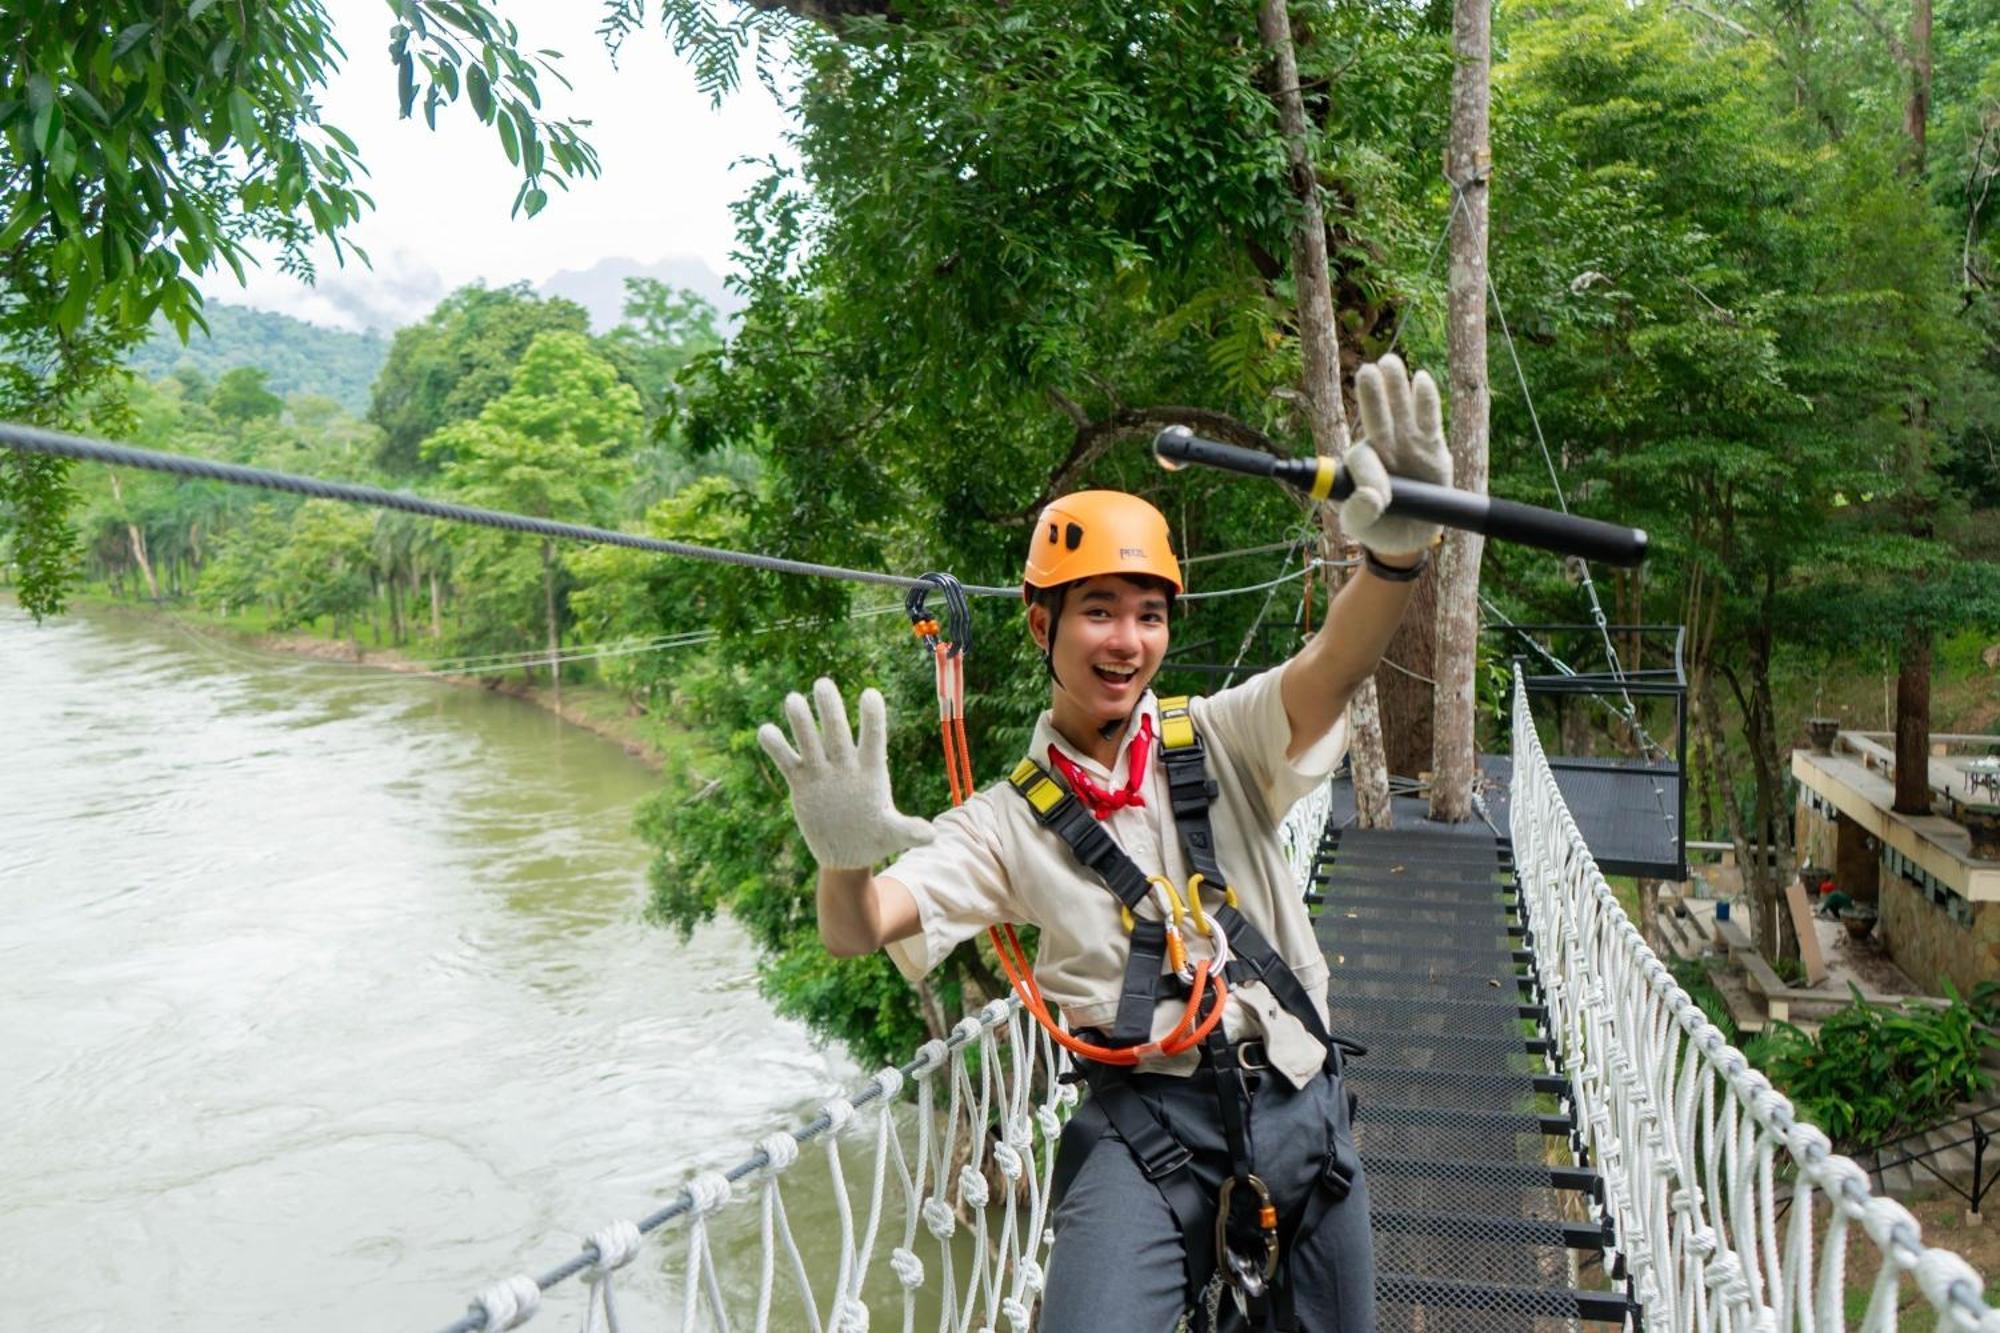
[1872, 1072]
[143, 146]
[323, 568]
[240, 396]
[297, 357]
[443, 47]
[458, 359]
[544, 447]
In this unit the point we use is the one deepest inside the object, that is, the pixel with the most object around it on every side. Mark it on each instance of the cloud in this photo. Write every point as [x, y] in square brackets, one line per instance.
[399, 289]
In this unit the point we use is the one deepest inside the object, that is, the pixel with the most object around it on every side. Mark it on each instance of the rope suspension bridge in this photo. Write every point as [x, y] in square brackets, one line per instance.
[1555, 1134]
[1556, 1137]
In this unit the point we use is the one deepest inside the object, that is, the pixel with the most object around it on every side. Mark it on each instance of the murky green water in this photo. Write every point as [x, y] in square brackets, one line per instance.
[325, 1000]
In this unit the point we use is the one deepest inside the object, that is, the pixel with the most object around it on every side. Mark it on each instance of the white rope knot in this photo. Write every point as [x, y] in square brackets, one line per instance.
[1765, 1320]
[1702, 1241]
[615, 1246]
[709, 1191]
[1031, 1275]
[939, 1217]
[909, 1268]
[1015, 1313]
[1725, 1277]
[972, 1191]
[508, 1303]
[1051, 1123]
[780, 1151]
[996, 1011]
[1066, 1094]
[1008, 1160]
[967, 1029]
[930, 1056]
[837, 1112]
[890, 1080]
[849, 1316]
[1687, 1201]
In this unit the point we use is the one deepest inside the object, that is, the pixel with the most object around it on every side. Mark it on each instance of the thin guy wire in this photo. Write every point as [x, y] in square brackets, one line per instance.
[1566, 669]
[1262, 611]
[1589, 584]
[344, 671]
[1457, 200]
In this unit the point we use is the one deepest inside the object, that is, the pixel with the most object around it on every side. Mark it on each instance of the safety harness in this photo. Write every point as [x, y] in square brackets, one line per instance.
[1249, 1235]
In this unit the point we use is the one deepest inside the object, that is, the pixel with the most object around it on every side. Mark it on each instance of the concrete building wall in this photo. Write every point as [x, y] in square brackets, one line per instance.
[1929, 944]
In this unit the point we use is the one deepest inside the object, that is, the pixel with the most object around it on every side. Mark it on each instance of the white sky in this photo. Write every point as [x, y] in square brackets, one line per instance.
[442, 198]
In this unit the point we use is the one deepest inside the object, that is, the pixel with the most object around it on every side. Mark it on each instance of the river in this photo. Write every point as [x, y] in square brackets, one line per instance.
[325, 997]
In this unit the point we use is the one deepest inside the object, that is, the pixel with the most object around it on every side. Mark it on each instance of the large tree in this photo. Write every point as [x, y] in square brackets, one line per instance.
[448, 366]
[548, 446]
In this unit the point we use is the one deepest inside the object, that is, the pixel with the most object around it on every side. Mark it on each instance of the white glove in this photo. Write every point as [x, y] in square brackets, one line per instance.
[1402, 436]
[840, 790]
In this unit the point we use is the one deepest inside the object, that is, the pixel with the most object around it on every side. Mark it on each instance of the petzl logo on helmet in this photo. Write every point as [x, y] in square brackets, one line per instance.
[1131, 553]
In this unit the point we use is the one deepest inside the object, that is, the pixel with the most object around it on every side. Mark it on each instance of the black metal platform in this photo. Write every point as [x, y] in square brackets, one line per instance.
[1483, 1220]
[1627, 811]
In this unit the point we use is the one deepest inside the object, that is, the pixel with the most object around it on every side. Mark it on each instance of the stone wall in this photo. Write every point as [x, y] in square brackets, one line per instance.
[1930, 946]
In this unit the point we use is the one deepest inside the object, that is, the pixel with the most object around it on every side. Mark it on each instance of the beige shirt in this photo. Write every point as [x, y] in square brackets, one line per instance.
[992, 862]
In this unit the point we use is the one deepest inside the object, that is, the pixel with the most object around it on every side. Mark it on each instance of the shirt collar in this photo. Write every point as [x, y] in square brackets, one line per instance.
[1047, 735]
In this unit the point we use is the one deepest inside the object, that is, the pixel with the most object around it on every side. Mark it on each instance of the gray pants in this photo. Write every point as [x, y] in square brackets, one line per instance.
[1117, 1263]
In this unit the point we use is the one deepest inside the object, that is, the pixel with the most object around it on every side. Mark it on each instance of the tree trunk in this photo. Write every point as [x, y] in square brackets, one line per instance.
[1319, 345]
[1917, 111]
[1913, 723]
[1913, 667]
[135, 538]
[395, 591]
[437, 609]
[1405, 695]
[1468, 158]
[549, 604]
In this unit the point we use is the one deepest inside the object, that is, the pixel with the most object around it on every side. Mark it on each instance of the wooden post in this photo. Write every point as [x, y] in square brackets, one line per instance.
[1319, 343]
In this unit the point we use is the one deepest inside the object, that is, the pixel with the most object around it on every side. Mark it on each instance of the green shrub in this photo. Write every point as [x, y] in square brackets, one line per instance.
[1872, 1072]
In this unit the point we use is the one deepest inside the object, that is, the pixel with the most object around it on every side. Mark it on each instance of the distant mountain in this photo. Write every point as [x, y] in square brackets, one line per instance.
[301, 357]
[600, 289]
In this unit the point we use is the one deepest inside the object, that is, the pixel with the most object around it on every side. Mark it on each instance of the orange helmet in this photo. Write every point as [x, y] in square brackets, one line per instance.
[1099, 532]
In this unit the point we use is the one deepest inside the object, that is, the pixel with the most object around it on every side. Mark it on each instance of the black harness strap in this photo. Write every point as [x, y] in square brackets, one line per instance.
[1162, 1158]
[1062, 814]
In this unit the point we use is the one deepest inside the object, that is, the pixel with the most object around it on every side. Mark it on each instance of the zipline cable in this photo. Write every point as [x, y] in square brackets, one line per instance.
[30, 439]
[58, 444]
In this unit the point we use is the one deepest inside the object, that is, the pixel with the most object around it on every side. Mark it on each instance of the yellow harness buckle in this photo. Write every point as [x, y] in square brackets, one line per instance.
[1176, 727]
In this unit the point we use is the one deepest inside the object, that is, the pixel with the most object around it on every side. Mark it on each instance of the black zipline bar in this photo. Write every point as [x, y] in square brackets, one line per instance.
[1461, 1098]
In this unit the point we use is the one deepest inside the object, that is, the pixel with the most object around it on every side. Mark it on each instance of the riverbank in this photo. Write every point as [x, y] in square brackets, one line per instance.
[653, 741]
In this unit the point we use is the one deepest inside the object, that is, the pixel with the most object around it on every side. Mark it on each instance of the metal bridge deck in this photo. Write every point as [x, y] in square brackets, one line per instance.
[1483, 1221]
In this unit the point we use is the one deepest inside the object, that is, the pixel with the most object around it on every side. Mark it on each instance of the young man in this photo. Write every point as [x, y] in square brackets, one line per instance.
[1179, 1128]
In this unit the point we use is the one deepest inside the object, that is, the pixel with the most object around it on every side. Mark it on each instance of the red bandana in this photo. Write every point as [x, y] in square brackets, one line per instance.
[1096, 799]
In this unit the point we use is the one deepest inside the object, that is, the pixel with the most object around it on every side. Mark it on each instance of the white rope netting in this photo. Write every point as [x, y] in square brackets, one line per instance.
[974, 1185]
[1711, 1178]
[971, 1192]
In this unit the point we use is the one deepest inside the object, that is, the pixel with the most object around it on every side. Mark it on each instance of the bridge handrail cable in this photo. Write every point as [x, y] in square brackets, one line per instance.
[1691, 1140]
